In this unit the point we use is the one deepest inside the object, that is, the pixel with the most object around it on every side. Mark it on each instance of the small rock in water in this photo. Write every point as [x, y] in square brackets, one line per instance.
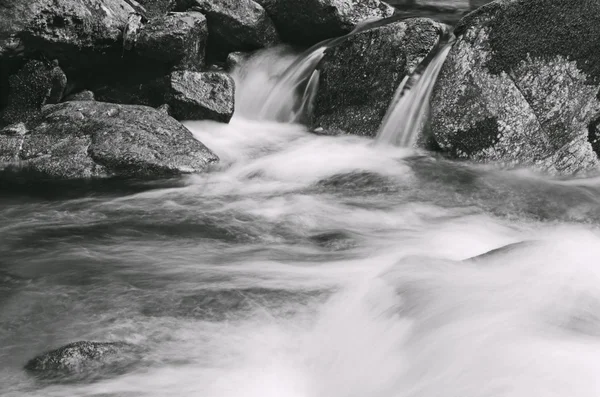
[201, 96]
[84, 361]
[235, 59]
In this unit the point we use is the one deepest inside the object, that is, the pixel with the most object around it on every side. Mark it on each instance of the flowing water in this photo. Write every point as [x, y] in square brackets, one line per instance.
[309, 266]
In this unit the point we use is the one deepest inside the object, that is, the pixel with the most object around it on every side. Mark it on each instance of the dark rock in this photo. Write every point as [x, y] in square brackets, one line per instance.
[85, 95]
[157, 8]
[132, 30]
[236, 25]
[176, 39]
[76, 32]
[149, 92]
[201, 96]
[98, 140]
[520, 86]
[353, 96]
[34, 85]
[84, 359]
[235, 59]
[307, 22]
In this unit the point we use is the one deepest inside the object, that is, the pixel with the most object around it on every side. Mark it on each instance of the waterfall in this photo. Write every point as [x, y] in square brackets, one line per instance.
[276, 85]
[409, 109]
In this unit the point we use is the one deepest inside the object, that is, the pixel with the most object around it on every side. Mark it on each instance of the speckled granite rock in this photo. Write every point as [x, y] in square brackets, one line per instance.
[82, 359]
[307, 22]
[177, 40]
[358, 77]
[98, 140]
[521, 86]
[36, 84]
[235, 25]
[201, 96]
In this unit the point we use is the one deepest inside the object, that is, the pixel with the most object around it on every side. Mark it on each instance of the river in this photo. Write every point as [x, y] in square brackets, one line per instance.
[309, 266]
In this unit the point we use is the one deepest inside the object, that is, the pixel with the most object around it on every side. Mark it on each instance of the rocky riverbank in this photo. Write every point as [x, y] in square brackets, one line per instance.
[519, 86]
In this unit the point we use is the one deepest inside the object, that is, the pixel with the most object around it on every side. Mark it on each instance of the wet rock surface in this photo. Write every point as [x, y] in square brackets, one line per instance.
[201, 96]
[84, 360]
[308, 22]
[520, 86]
[90, 139]
[354, 96]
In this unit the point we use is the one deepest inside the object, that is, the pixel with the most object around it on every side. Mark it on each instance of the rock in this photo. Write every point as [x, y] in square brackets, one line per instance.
[83, 359]
[520, 86]
[201, 96]
[308, 22]
[79, 33]
[353, 96]
[235, 59]
[132, 30]
[33, 86]
[149, 92]
[85, 95]
[99, 140]
[176, 39]
[236, 25]
[157, 8]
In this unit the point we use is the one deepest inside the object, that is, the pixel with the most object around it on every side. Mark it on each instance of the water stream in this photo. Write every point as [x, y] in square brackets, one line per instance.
[309, 266]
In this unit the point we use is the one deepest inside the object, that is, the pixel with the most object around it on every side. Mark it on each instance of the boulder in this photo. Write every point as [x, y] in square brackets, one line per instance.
[521, 86]
[201, 96]
[235, 25]
[307, 22]
[36, 84]
[353, 96]
[76, 32]
[84, 358]
[157, 8]
[85, 95]
[98, 140]
[176, 39]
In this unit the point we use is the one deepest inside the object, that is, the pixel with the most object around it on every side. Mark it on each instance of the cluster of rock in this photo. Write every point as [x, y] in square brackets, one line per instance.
[93, 88]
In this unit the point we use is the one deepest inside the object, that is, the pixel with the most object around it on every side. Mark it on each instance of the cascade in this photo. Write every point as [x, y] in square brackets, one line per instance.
[409, 109]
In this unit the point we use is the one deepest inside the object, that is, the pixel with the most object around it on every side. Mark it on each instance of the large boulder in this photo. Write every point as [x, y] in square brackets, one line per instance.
[98, 140]
[201, 96]
[521, 86]
[84, 359]
[76, 32]
[358, 78]
[36, 84]
[235, 25]
[176, 39]
[307, 22]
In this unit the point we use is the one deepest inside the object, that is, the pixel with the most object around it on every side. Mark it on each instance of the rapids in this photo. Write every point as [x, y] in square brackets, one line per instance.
[308, 266]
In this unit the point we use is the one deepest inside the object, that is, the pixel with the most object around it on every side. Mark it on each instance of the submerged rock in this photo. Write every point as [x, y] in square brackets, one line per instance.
[177, 40]
[201, 96]
[236, 59]
[33, 86]
[84, 359]
[235, 25]
[98, 140]
[307, 22]
[521, 86]
[358, 78]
